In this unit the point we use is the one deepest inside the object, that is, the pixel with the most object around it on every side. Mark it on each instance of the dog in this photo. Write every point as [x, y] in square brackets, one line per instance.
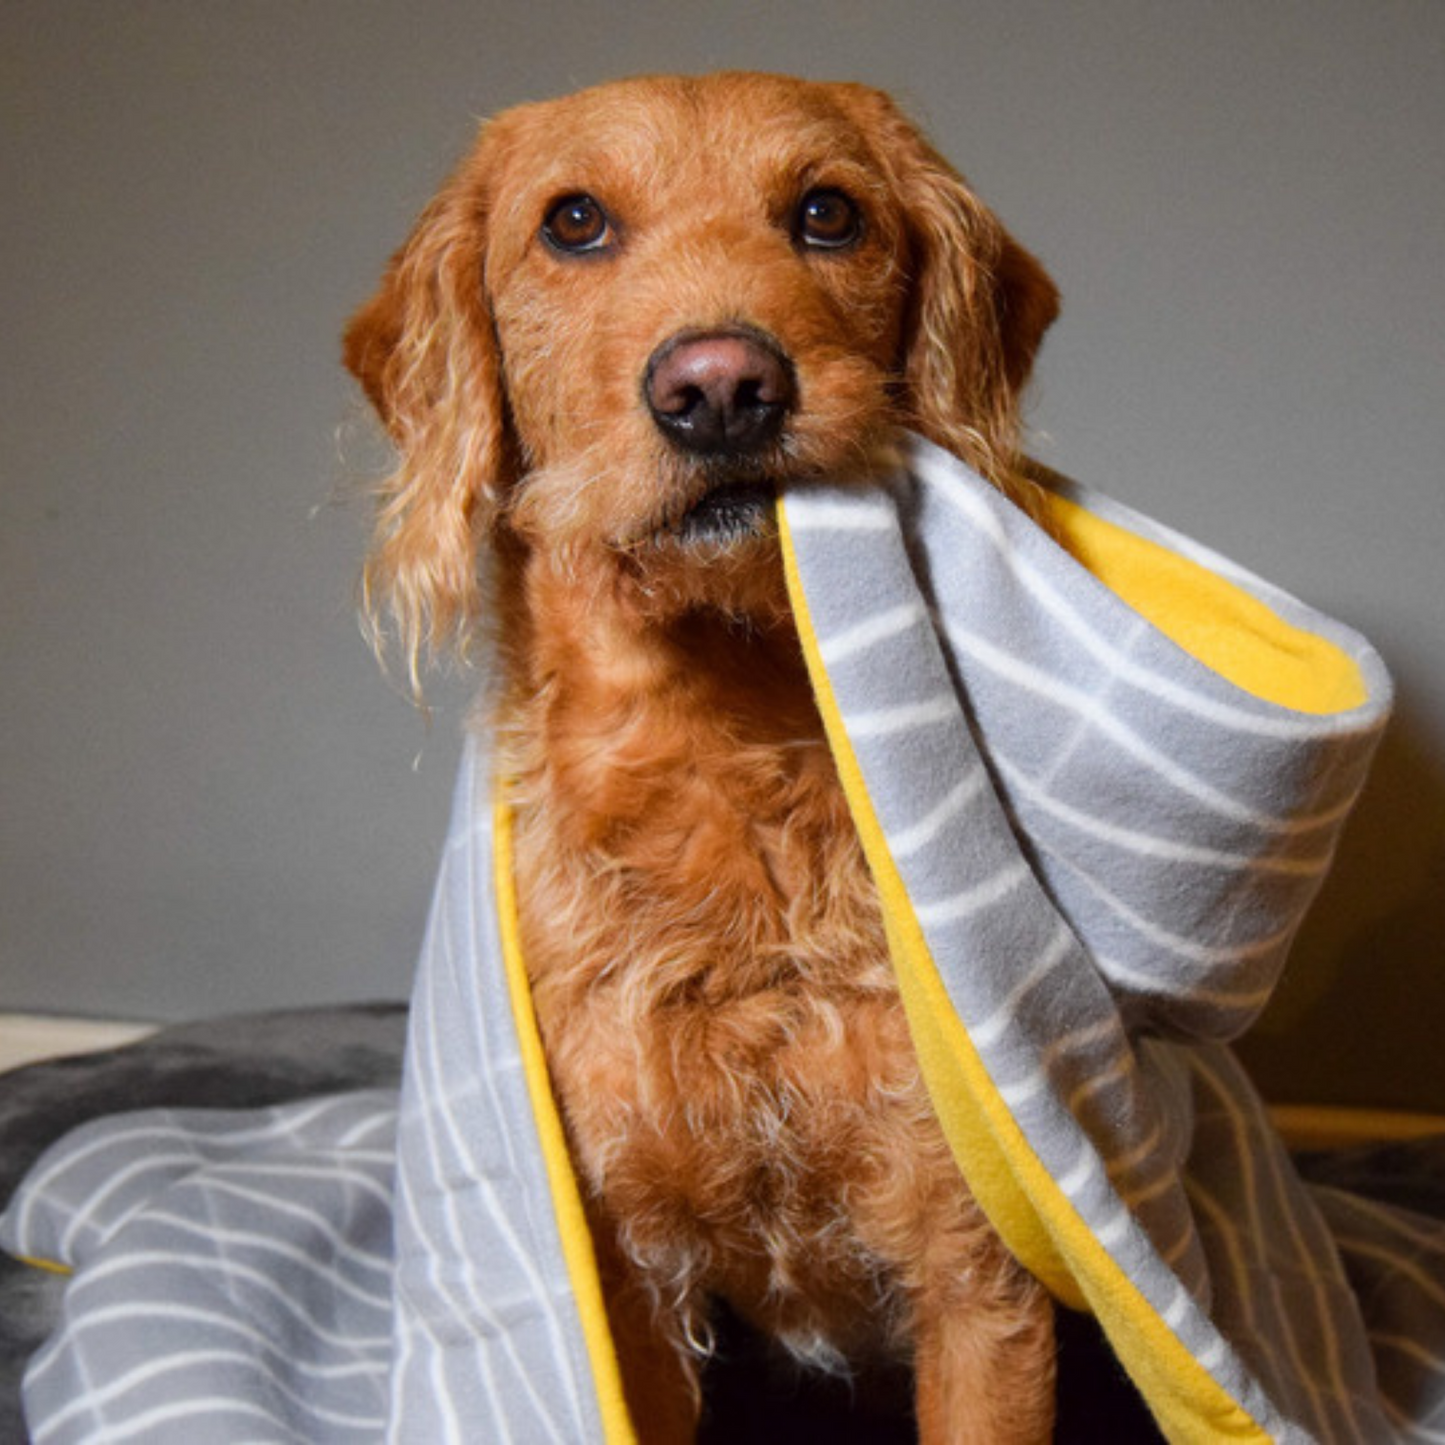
[628, 320]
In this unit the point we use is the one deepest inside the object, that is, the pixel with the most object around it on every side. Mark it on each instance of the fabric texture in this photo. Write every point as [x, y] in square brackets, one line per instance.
[1094, 840]
[250, 1062]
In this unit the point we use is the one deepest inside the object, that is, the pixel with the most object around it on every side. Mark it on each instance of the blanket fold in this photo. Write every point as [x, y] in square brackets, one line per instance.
[1098, 773]
[1131, 839]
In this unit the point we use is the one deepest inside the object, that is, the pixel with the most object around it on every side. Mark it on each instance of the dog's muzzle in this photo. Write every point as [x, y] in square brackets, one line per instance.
[723, 398]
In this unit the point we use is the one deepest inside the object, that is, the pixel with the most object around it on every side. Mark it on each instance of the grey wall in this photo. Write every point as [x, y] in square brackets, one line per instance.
[207, 794]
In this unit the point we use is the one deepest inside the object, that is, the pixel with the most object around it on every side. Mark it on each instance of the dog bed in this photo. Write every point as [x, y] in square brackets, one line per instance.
[1098, 773]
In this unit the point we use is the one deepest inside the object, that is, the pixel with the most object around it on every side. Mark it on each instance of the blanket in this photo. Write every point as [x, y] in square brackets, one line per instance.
[1098, 773]
[248, 1062]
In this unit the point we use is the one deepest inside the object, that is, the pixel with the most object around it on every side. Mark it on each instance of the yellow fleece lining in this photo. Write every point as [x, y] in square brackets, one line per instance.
[1036, 1220]
[48, 1265]
[577, 1247]
[1217, 623]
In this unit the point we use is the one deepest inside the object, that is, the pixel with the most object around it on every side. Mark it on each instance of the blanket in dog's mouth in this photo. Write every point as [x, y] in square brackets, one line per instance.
[1098, 784]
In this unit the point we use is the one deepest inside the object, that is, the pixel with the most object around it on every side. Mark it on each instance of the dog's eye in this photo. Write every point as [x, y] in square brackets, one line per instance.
[577, 223]
[828, 220]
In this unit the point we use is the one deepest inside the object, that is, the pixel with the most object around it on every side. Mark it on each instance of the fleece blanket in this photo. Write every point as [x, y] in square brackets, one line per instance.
[1098, 773]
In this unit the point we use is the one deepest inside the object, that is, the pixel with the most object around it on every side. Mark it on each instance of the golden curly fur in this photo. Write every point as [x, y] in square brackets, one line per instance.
[793, 268]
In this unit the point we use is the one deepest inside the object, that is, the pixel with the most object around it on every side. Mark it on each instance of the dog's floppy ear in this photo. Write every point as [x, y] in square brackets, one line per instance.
[424, 351]
[980, 303]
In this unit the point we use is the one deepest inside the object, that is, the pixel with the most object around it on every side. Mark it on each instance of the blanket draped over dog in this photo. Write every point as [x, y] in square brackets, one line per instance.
[1098, 773]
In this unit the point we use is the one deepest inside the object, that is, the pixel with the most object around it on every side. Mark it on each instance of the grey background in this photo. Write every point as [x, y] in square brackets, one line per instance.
[210, 800]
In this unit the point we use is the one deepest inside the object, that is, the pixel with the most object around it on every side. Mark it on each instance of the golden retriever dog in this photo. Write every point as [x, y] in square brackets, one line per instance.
[630, 318]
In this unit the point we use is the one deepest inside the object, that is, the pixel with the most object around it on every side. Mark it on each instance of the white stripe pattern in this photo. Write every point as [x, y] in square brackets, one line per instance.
[1149, 845]
[889, 722]
[905, 841]
[880, 627]
[974, 899]
[167, 1219]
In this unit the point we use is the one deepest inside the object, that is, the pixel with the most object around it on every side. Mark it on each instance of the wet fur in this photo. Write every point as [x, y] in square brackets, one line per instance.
[703, 937]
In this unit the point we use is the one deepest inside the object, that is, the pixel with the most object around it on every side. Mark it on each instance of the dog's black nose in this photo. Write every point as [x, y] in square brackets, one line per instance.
[720, 391]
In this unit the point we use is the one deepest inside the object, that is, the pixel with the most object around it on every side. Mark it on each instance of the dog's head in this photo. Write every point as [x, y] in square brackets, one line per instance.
[632, 313]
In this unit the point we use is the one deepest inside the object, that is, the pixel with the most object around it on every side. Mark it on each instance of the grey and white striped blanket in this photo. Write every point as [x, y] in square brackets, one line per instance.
[1095, 826]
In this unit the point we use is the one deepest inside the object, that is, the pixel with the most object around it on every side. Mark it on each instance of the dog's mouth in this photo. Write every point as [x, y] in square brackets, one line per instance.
[720, 515]
[732, 512]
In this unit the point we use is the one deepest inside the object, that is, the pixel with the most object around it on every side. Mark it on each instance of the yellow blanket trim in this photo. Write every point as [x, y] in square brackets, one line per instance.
[48, 1265]
[1034, 1217]
[1222, 626]
[577, 1245]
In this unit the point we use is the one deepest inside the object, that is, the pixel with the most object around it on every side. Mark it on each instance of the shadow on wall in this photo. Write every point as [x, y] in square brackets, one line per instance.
[1359, 1017]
